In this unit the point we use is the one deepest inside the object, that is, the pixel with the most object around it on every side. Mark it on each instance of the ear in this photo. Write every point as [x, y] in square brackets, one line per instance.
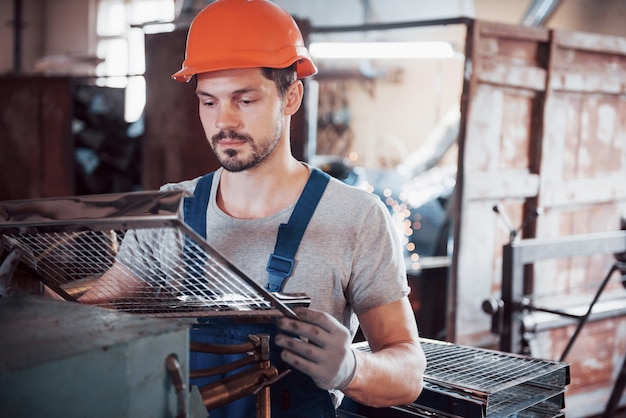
[293, 98]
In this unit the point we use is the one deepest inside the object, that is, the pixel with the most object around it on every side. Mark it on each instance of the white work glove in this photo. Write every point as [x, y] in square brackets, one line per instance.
[322, 351]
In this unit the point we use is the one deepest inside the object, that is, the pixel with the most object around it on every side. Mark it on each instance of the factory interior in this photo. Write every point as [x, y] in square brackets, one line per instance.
[495, 135]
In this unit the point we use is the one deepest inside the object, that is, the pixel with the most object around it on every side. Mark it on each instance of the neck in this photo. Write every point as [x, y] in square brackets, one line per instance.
[263, 190]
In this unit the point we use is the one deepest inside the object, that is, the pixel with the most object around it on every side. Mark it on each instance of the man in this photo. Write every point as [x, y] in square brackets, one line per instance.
[248, 57]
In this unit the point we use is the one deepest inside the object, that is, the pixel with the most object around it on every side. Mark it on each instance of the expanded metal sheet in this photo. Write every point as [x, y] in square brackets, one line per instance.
[486, 371]
[131, 252]
[477, 383]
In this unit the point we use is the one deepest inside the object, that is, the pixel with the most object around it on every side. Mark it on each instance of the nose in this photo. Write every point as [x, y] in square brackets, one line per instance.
[227, 117]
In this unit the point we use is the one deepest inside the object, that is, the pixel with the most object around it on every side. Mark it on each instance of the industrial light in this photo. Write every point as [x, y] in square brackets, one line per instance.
[158, 27]
[382, 50]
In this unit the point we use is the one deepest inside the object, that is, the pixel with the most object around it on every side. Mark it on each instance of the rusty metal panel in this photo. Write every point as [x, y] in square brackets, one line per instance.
[35, 139]
[505, 81]
[544, 126]
[582, 192]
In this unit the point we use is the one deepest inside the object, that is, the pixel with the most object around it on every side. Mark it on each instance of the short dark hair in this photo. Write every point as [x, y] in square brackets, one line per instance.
[283, 77]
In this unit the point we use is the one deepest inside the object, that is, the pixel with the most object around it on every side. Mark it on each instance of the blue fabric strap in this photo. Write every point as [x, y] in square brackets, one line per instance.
[281, 261]
[194, 214]
[194, 208]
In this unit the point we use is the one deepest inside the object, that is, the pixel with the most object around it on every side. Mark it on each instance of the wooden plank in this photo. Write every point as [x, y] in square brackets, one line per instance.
[519, 33]
[20, 156]
[595, 43]
[481, 239]
[571, 246]
[511, 76]
[512, 184]
[498, 136]
[588, 82]
[585, 191]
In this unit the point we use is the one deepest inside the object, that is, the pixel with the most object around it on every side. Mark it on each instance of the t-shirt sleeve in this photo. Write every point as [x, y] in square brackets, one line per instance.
[379, 273]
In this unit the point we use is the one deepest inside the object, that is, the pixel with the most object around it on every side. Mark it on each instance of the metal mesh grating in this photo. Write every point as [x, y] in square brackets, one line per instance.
[472, 382]
[131, 252]
[483, 371]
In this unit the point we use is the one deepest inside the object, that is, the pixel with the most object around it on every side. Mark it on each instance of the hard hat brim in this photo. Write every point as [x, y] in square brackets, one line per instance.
[304, 68]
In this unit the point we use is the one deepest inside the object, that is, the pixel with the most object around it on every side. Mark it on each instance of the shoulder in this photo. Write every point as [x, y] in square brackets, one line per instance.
[350, 207]
[186, 185]
[352, 197]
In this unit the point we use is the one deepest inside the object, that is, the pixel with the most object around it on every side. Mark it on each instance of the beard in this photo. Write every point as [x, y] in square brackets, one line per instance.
[234, 160]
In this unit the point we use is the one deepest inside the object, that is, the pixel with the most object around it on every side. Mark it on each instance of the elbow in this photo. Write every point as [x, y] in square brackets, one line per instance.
[413, 392]
[416, 380]
[404, 396]
[398, 380]
[411, 380]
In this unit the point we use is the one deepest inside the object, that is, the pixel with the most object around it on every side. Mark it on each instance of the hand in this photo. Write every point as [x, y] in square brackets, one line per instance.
[322, 351]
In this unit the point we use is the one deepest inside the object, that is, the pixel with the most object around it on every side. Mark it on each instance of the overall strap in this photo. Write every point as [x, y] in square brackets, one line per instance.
[281, 261]
[195, 207]
[194, 215]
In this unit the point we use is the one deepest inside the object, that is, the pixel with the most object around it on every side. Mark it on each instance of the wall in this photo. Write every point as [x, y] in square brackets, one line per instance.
[50, 28]
[596, 16]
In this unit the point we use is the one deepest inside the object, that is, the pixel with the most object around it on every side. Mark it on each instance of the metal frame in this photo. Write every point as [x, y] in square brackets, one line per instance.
[518, 254]
[471, 382]
[117, 211]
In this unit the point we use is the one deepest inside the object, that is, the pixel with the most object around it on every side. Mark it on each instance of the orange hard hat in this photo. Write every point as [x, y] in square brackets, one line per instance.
[244, 34]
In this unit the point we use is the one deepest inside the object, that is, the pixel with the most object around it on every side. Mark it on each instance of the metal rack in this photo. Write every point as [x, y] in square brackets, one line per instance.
[132, 252]
[469, 382]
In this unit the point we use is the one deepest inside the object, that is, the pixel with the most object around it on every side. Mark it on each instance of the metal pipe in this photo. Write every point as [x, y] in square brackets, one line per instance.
[584, 319]
[539, 12]
[394, 25]
[178, 381]
[537, 323]
[581, 319]
[234, 387]
[18, 25]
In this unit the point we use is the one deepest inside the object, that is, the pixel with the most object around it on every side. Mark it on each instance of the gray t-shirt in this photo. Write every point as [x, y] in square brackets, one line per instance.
[349, 260]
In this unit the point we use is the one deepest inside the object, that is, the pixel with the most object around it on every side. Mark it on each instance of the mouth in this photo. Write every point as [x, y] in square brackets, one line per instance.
[226, 139]
[228, 142]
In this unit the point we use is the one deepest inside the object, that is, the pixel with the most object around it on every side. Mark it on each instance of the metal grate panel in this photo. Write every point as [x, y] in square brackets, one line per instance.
[486, 371]
[476, 383]
[132, 252]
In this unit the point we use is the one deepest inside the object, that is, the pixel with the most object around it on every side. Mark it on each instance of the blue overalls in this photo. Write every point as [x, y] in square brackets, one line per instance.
[295, 395]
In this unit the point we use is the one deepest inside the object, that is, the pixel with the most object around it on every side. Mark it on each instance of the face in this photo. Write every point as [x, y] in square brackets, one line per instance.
[242, 116]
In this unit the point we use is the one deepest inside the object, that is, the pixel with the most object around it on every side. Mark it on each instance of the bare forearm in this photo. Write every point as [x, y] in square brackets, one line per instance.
[392, 376]
[118, 282]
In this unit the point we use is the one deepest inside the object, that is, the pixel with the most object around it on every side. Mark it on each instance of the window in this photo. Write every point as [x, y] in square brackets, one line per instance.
[120, 38]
